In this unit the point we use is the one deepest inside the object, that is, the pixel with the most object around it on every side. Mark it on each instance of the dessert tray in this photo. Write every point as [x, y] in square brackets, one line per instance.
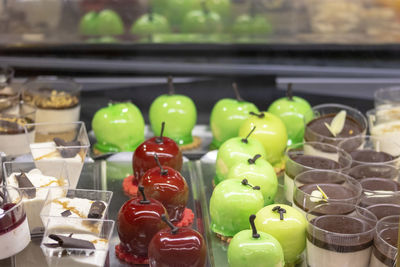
[108, 175]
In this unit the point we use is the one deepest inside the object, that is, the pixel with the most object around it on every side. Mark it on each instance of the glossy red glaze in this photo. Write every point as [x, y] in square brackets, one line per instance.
[186, 248]
[170, 189]
[138, 223]
[168, 153]
[12, 219]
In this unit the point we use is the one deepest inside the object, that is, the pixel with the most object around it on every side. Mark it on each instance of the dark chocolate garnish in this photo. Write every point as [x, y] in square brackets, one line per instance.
[66, 213]
[24, 182]
[69, 242]
[96, 210]
[67, 152]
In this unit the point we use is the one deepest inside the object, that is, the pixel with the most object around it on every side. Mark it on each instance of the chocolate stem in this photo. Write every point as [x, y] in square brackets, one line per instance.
[259, 115]
[204, 7]
[246, 182]
[150, 12]
[237, 94]
[253, 160]
[171, 86]
[244, 140]
[289, 92]
[174, 229]
[159, 139]
[144, 200]
[253, 8]
[162, 170]
[253, 226]
[280, 210]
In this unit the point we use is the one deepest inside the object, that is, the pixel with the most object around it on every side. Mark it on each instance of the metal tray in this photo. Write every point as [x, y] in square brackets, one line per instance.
[108, 175]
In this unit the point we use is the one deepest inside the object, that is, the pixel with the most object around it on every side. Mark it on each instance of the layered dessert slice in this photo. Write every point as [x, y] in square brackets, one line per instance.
[65, 248]
[14, 229]
[35, 187]
[81, 204]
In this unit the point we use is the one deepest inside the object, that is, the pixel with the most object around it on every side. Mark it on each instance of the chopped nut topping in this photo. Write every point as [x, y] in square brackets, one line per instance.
[56, 99]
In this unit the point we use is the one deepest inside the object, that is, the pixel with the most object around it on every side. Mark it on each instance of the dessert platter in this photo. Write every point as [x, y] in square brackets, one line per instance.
[292, 186]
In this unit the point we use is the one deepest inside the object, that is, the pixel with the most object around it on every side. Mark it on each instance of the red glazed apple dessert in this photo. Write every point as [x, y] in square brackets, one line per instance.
[183, 247]
[167, 150]
[139, 219]
[167, 186]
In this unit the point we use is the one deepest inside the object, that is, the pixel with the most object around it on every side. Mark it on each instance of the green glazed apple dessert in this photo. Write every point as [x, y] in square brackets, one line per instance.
[231, 204]
[255, 248]
[226, 117]
[271, 133]
[118, 127]
[179, 111]
[236, 150]
[105, 23]
[257, 171]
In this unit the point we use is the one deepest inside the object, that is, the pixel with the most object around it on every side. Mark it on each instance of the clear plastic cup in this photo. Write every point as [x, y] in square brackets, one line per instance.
[304, 157]
[357, 120]
[385, 242]
[13, 136]
[367, 149]
[386, 97]
[363, 171]
[51, 149]
[382, 205]
[14, 229]
[78, 202]
[339, 234]
[94, 254]
[56, 100]
[311, 186]
[35, 196]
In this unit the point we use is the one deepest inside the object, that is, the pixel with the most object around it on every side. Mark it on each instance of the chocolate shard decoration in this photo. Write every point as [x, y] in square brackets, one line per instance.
[67, 152]
[96, 210]
[66, 213]
[24, 182]
[70, 242]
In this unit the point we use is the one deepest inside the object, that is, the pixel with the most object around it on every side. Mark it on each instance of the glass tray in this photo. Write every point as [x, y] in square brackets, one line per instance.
[205, 169]
[108, 175]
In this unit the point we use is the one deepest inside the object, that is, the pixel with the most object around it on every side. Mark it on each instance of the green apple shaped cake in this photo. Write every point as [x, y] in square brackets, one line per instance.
[295, 112]
[118, 127]
[150, 23]
[271, 133]
[227, 116]
[178, 111]
[257, 171]
[254, 248]
[231, 204]
[236, 150]
[288, 226]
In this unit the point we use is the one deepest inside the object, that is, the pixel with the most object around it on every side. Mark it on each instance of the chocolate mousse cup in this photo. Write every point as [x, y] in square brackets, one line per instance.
[374, 170]
[56, 100]
[385, 242]
[340, 234]
[367, 149]
[13, 138]
[51, 149]
[300, 158]
[316, 187]
[316, 130]
[382, 205]
[14, 229]
[385, 126]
